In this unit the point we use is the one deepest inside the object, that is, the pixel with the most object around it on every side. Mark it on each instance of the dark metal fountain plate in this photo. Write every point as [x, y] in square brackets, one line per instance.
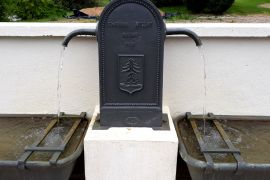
[131, 37]
[164, 127]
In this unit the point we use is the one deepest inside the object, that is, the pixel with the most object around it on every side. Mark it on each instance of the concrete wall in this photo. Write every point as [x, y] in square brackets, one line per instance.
[237, 69]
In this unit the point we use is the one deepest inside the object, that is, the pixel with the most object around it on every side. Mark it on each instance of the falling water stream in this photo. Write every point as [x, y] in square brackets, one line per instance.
[201, 52]
[59, 87]
[17, 133]
[59, 84]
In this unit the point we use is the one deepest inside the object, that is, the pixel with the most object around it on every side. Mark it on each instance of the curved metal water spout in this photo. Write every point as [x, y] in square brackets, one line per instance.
[169, 31]
[77, 33]
[191, 34]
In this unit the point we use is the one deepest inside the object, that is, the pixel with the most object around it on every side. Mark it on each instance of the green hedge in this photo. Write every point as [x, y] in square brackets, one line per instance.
[208, 6]
[196, 6]
[218, 6]
[2, 11]
[37, 9]
[77, 4]
[160, 3]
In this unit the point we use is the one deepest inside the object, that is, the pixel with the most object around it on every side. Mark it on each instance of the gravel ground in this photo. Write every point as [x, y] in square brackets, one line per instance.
[201, 19]
[259, 18]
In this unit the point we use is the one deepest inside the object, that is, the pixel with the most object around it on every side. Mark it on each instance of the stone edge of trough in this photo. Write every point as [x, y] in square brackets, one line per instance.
[202, 29]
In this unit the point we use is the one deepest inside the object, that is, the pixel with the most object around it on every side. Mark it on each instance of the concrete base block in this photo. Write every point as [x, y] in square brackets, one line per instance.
[130, 153]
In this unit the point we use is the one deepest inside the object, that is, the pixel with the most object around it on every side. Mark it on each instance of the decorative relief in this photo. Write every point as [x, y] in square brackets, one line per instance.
[132, 121]
[144, 25]
[131, 73]
[131, 38]
[130, 24]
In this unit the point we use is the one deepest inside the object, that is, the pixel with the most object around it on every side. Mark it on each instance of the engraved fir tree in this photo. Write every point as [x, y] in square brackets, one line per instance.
[131, 70]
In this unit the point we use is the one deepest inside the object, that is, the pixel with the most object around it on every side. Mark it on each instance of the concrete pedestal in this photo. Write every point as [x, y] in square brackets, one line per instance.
[130, 153]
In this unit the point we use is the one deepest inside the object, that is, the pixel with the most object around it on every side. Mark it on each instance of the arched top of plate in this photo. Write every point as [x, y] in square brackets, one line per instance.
[145, 5]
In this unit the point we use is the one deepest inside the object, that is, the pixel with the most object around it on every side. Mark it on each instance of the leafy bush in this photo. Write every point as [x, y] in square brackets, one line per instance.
[77, 4]
[2, 11]
[37, 9]
[208, 6]
[218, 6]
[195, 6]
[160, 3]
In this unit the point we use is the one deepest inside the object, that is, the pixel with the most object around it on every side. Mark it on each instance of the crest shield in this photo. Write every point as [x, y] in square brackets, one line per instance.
[131, 73]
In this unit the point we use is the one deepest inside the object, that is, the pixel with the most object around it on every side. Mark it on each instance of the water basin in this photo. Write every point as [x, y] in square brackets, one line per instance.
[225, 147]
[40, 146]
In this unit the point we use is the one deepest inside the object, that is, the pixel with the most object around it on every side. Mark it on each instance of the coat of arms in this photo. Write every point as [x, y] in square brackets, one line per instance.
[131, 73]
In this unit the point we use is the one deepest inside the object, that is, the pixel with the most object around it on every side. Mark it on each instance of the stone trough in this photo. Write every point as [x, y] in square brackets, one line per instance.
[225, 147]
[40, 146]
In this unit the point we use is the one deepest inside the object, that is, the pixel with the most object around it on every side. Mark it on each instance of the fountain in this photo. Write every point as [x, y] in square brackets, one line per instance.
[230, 147]
[131, 44]
[131, 37]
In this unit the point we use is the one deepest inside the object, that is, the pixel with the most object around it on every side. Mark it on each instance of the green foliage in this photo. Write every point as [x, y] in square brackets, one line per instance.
[2, 10]
[244, 7]
[77, 4]
[37, 9]
[208, 6]
[182, 13]
[218, 6]
[161, 3]
[195, 6]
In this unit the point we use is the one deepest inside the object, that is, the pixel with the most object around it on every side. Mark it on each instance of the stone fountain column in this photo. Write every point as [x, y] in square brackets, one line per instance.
[133, 153]
[131, 137]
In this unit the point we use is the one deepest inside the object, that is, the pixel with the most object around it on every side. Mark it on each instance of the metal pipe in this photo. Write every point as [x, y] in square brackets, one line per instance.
[191, 34]
[91, 32]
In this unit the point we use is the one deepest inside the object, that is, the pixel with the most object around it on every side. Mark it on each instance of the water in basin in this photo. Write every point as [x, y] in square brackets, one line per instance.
[17, 133]
[251, 137]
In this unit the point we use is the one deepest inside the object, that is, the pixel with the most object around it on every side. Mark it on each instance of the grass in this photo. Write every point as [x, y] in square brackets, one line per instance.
[240, 7]
[103, 2]
[182, 13]
[244, 7]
